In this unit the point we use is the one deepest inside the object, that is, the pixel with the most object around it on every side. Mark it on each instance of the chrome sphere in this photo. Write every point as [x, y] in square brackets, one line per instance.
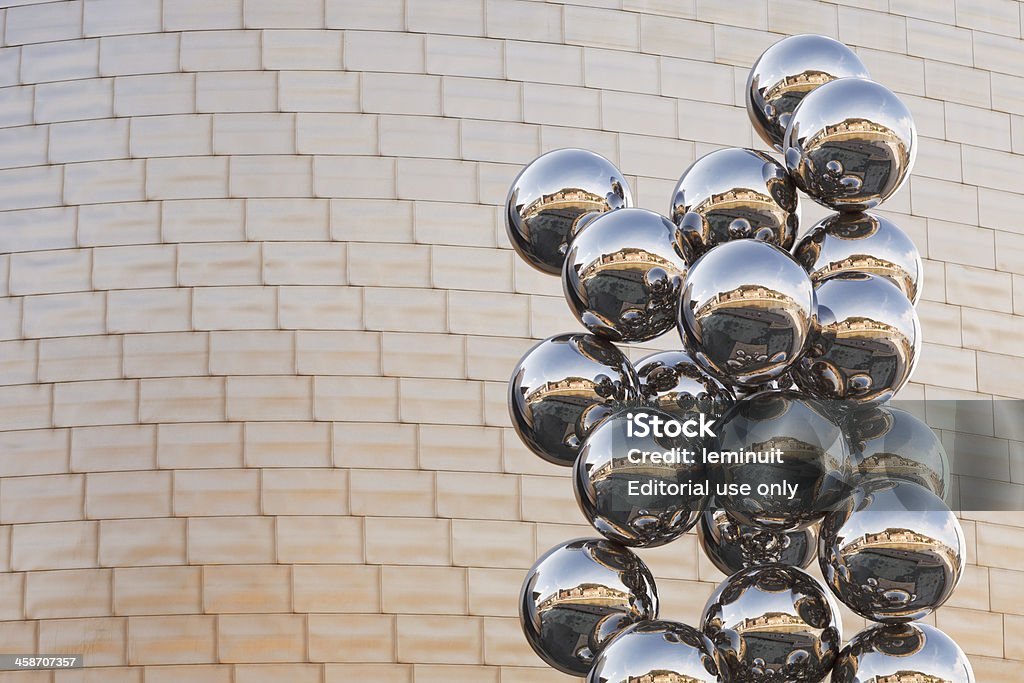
[578, 596]
[732, 546]
[731, 194]
[641, 491]
[893, 553]
[850, 144]
[562, 388]
[551, 194]
[622, 275]
[811, 451]
[861, 243]
[903, 653]
[671, 381]
[786, 72]
[890, 443]
[773, 623]
[746, 312]
[866, 340]
[657, 651]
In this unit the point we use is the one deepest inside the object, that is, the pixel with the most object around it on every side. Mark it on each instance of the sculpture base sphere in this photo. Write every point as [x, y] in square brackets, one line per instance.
[895, 553]
[733, 547]
[907, 653]
[773, 624]
[578, 596]
[551, 194]
[657, 651]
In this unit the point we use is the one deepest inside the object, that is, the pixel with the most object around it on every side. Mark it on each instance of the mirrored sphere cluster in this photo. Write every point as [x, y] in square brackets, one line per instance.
[788, 350]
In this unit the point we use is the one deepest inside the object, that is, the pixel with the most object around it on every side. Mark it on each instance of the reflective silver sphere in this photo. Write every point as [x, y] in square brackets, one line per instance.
[622, 275]
[578, 596]
[732, 546]
[893, 553]
[731, 194]
[562, 388]
[671, 381]
[890, 443]
[861, 243]
[866, 340]
[657, 651]
[641, 491]
[812, 455]
[773, 624]
[551, 194]
[746, 312]
[850, 144]
[904, 653]
[786, 72]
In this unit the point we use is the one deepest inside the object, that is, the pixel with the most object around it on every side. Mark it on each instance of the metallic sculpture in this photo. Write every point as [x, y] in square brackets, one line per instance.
[639, 490]
[850, 144]
[893, 553]
[861, 243]
[578, 596]
[787, 72]
[746, 312]
[672, 382]
[903, 653]
[773, 623]
[865, 343]
[622, 275]
[548, 198]
[732, 194]
[732, 546]
[562, 388]
[657, 651]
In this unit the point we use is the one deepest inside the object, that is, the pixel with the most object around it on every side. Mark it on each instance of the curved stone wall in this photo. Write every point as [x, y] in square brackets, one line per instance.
[259, 310]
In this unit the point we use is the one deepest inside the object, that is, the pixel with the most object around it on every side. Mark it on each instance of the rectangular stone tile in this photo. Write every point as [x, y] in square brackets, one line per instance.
[172, 354]
[232, 308]
[186, 399]
[79, 358]
[320, 307]
[178, 639]
[294, 491]
[57, 61]
[157, 590]
[270, 220]
[336, 588]
[113, 495]
[185, 446]
[374, 445]
[402, 590]
[495, 544]
[319, 539]
[384, 51]
[359, 637]
[246, 589]
[482, 99]
[66, 593]
[36, 24]
[203, 220]
[354, 177]
[54, 545]
[141, 542]
[440, 639]
[400, 494]
[301, 49]
[120, 447]
[208, 50]
[139, 54]
[36, 451]
[104, 638]
[212, 492]
[231, 540]
[152, 94]
[45, 498]
[408, 541]
[318, 91]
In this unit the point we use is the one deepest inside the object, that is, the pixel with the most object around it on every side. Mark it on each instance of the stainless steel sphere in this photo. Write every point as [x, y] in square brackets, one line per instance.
[786, 72]
[893, 553]
[903, 653]
[890, 443]
[812, 455]
[732, 546]
[672, 382]
[746, 312]
[551, 194]
[641, 491]
[562, 388]
[578, 596]
[861, 243]
[622, 275]
[731, 194]
[850, 144]
[865, 343]
[657, 651]
[773, 624]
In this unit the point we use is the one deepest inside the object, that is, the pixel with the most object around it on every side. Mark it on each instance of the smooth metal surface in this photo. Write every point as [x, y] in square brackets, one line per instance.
[865, 343]
[904, 653]
[732, 194]
[656, 652]
[773, 624]
[890, 443]
[861, 243]
[562, 388]
[786, 72]
[732, 546]
[578, 596]
[893, 553]
[551, 194]
[813, 455]
[609, 482]
[850, 144]
[746, 312]
[622, 275]
[672, 382]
